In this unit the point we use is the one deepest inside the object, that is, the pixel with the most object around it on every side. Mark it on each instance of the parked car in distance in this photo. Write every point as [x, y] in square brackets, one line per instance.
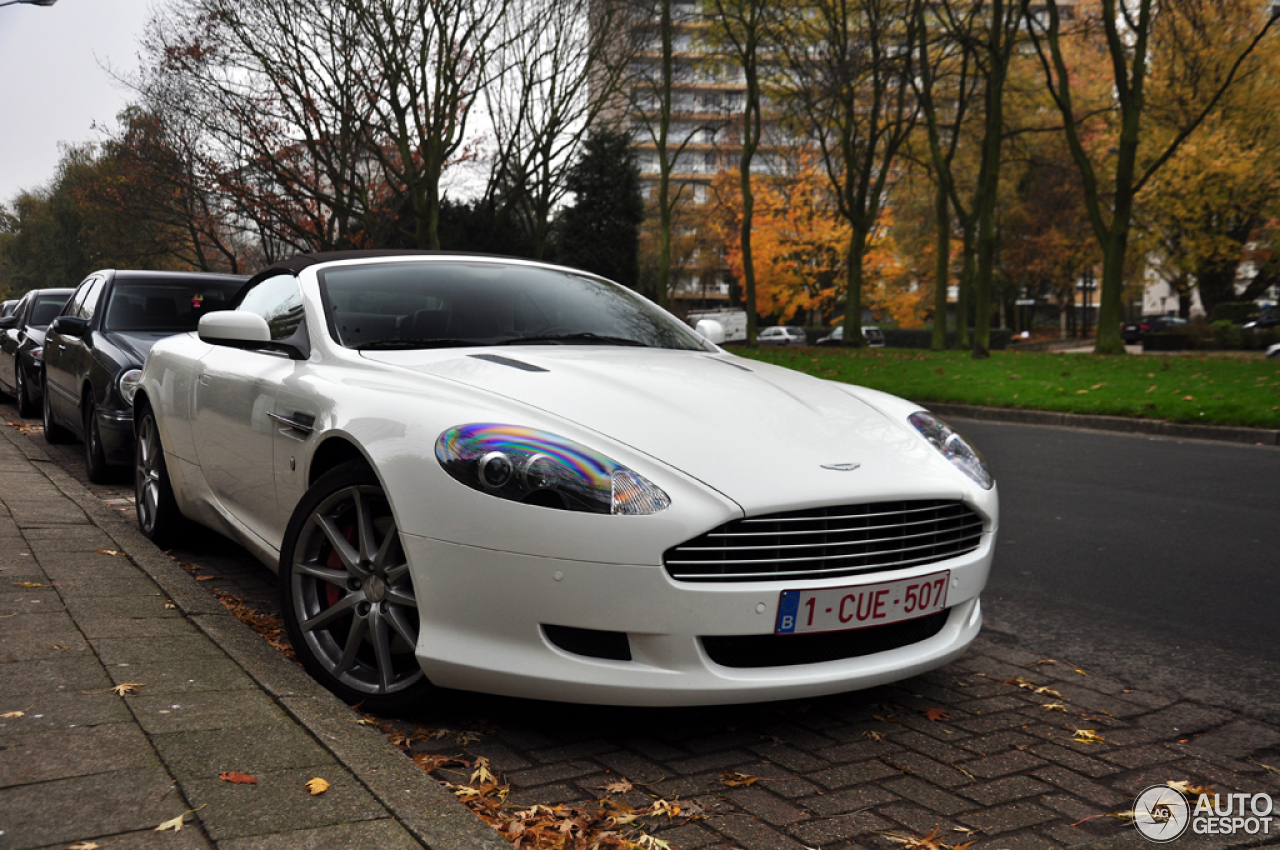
[8, 307]
[493, 474]
[95, 348]
[1273, 351]
[872, 334]
[1133, 332]
[22, 345]
[1269, 318]
[780, 335]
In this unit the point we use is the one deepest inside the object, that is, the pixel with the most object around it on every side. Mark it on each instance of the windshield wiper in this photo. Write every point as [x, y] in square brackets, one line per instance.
[388, 344]
[583, 337]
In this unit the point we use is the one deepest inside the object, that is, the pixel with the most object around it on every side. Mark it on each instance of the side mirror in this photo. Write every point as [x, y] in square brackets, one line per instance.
[8, 322]
[69, 325]
[234, 328]
[710, 330]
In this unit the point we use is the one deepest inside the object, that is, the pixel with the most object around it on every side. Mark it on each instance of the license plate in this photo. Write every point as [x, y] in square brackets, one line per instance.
[832, 609]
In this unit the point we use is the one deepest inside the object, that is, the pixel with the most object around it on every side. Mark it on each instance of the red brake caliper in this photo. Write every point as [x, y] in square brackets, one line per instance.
[332, 595]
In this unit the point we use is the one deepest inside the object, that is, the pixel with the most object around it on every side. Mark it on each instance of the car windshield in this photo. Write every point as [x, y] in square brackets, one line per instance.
[442, 304]
[171, 306]
[45, 310]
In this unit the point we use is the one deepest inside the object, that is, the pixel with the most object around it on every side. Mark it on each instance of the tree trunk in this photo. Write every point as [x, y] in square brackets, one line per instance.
[942, 276]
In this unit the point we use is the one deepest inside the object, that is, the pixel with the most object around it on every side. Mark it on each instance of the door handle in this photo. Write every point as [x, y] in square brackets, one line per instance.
[205, 380]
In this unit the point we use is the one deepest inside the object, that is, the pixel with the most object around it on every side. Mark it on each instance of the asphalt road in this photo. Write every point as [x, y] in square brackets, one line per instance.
[1154, 557]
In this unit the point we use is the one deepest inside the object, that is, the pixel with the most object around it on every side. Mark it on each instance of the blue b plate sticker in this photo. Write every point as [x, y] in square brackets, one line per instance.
[788, 607]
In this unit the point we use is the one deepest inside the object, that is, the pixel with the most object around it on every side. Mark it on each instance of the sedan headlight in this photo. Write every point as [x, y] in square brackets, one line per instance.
[963, 456]
[128, 383]
[540, 468]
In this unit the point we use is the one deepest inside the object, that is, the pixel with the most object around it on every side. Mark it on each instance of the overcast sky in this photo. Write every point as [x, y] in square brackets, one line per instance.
[52, 84]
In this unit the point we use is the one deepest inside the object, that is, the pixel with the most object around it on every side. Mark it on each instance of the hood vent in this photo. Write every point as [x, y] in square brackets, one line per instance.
[507, 361]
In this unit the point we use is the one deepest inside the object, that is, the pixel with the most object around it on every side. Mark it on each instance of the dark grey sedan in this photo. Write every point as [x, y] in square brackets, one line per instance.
[22, 345]
[94, 351]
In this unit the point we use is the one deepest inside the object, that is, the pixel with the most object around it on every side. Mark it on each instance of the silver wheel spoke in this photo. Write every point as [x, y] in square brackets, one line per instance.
[382, 650]
[368, 535]
[398, 619]
[401, 596]
[338, 578]
[355, 635]
[338, 541]
[342, 606]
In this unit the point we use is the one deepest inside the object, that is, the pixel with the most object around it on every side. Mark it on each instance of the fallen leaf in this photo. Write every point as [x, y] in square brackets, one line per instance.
[663, 808]
[61, 647]
[317, 786]
[937, 714]
[875, 736]
[922, 842]
[482, 774]
[620, 786]
[108, 552]
[1050, 692]
[1081, 672]
[1186, 788]
[1098, 386]
[84, 845]
[645, 841]
[432, 762]
[1266, 766]
[1088, 736]
[1054, 706]
[237, 778]
[13, 715]
[175, 824]
[29, 584]
[128, 687]
[734, 779]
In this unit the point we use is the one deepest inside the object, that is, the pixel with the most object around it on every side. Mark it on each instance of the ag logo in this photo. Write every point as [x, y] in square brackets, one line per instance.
[1161, 814]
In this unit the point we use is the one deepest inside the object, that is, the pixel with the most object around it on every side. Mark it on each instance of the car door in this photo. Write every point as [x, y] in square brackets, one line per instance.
[235, 424]
[67, 356]
[10, 340]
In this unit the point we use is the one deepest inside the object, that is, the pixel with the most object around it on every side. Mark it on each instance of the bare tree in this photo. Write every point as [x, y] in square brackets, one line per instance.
[849, 67]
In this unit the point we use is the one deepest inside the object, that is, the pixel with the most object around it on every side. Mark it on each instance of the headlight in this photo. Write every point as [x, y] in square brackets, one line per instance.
[540, 468]
[963, 456]
[128, 384]
[37, 354]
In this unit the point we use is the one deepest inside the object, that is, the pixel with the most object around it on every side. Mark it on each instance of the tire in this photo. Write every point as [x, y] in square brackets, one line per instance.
[350, 611]
[54, 433]
[159, 519]
[95, 463]
[26, 407]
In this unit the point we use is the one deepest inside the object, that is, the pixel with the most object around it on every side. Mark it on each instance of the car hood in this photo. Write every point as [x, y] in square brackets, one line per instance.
[762, 435]
[134, 345]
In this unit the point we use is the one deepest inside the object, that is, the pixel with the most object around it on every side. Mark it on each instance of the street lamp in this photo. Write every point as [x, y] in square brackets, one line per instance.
[28, 2]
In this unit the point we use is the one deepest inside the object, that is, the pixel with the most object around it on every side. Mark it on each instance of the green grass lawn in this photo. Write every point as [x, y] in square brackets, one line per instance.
[1216, 390]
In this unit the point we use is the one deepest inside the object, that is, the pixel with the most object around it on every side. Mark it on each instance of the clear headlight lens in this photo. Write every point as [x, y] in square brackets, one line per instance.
[540, 468]
[128, 383]
[37, 354]
[963, 456]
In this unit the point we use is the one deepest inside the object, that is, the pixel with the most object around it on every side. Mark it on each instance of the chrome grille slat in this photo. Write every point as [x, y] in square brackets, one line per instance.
[839, 540]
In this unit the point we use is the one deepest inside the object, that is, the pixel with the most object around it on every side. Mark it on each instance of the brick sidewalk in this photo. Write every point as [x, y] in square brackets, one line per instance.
[997, 768]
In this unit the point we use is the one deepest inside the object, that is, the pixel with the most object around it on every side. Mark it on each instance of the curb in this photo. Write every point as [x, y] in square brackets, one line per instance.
[430, 813]
[1123, 424]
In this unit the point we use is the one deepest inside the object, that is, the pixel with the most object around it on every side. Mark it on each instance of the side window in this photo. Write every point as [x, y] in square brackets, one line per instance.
[279, 301]
[72, 307]
[85, 306]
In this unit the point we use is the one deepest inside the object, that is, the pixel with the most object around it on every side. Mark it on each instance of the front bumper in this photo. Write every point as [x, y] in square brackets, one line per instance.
[116, 430]
[483, 613]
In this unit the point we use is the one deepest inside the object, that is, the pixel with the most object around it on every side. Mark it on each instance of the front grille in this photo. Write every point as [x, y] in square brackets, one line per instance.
[790, 650]
[828, 542]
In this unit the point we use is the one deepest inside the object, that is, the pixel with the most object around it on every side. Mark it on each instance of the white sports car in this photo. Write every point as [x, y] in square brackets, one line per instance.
[508, 477]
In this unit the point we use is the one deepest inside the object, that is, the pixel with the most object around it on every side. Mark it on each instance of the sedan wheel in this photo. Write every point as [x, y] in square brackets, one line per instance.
[26, 407]
[158, 516]
[346, 593]
[95, 463]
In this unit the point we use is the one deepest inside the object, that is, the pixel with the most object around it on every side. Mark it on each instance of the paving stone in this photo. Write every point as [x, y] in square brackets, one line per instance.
[550, 773]
[59, 710]
[67, 673]
[259, 749]
[929, 796]
[1073, 808]
[766, 806]
[104, 804]
[752, 834]
[280, 802]
[383, 834]
[855, 799]
[1183, 720]
[1012, 761]
[1080, 786]
[547, 795]
[43, 756]
[789, 757]
[1239, 739]
[990, 745]
[1007, 818]
[930, 770]
[632, 766]
[1074, 760]
[1144, 756]
[841, 828]
[854, 774]
[931, 747]
[858, 751]
[204, 710]
[581, 749]
[917, 819]
[1004, 790]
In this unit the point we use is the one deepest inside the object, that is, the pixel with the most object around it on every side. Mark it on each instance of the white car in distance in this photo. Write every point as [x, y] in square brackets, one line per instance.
[508, 477]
